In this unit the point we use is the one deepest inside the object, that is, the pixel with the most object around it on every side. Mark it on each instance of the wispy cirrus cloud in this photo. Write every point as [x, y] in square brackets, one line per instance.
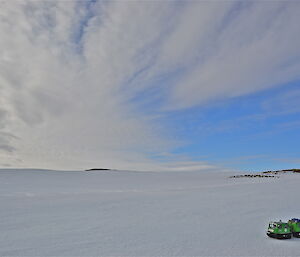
[82, 83]
[253, 47]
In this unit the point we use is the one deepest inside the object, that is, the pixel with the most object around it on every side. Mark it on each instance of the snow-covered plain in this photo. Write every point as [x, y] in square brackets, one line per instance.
[69, 213]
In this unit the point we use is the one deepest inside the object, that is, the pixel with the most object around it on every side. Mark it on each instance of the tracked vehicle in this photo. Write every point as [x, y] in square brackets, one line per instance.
[295, 227]
[279, 230]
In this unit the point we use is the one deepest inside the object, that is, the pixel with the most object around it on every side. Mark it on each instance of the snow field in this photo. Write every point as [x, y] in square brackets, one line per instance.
[123, 213]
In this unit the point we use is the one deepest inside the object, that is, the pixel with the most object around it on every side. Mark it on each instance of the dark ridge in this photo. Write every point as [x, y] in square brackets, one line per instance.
[253, 176]
[293, 170]
[282, 171]
[97, 169]
[267, 174]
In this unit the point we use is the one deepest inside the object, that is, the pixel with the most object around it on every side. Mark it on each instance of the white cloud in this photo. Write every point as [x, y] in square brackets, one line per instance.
[255, 50]
[66, 103]
[69, 71]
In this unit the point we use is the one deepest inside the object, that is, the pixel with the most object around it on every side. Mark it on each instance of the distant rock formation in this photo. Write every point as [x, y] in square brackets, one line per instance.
[282, 171]
[253, 176]
[94, 169]
[267, 174]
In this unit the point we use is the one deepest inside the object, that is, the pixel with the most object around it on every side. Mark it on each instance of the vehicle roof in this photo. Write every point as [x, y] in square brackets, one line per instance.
[277, 222]
[295, 220]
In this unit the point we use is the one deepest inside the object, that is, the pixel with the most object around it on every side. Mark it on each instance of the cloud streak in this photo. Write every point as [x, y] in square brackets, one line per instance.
[257, 48]
[86, 83]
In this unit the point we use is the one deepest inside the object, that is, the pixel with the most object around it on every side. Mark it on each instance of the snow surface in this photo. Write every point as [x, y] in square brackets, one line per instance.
[113, 213]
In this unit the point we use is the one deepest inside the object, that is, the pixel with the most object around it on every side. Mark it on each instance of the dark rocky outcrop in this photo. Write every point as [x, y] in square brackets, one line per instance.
[282, 171]
[267, 174]
[94, 169]
[254, 176]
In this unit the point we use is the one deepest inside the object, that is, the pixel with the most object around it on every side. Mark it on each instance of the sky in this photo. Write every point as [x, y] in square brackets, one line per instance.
[150, 85]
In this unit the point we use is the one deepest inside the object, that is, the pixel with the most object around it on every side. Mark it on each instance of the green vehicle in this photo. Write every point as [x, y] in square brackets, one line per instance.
[279, 230]
[295, 227]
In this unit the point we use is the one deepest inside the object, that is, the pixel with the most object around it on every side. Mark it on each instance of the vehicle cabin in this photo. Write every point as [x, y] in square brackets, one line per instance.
[279, 230]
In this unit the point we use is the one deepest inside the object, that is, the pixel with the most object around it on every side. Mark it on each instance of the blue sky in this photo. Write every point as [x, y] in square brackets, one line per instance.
[151, 85]
[243, 133]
